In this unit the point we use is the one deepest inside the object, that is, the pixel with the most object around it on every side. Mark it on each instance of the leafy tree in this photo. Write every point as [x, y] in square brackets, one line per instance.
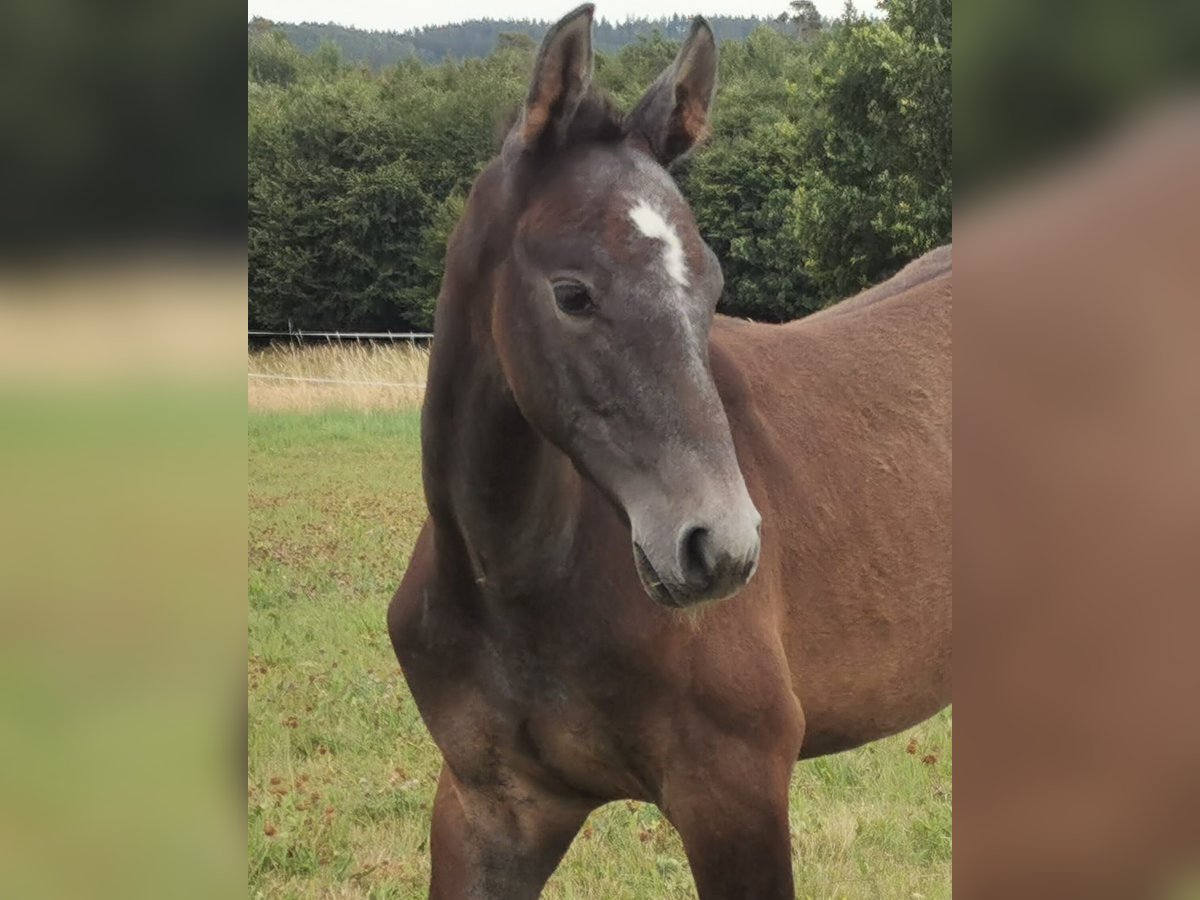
[741, 192]
[805, 17]
[741, 184]
[335, 207]
[627, 74]
[327, 60]
[876, 187]
[515, 40]
[828, 167]
[272, 58]
[479, 37]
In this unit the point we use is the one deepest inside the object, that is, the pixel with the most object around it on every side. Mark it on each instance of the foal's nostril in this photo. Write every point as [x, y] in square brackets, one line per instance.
[697, 556]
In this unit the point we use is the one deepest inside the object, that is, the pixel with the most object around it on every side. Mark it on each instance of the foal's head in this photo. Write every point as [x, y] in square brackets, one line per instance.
[602, 307]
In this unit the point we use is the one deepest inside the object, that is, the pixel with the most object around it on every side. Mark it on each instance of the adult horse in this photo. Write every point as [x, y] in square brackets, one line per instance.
[602, 455]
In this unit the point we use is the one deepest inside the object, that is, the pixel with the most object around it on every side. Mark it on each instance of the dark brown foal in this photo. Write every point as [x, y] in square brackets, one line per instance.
[605, 460]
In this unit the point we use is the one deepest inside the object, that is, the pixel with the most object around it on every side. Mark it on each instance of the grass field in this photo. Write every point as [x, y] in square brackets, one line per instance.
[341, 770]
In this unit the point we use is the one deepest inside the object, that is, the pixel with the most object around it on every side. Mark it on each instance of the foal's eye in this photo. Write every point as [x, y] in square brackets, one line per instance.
[573, 298]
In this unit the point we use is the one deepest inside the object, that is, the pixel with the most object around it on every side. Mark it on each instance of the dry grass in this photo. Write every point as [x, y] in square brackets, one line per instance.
[362, 377]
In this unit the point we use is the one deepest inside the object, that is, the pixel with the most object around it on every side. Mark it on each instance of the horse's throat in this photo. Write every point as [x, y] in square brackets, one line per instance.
[511, 497]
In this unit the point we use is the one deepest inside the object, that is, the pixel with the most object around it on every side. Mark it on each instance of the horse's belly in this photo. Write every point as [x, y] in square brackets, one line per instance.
[836, 732]
[870, 689]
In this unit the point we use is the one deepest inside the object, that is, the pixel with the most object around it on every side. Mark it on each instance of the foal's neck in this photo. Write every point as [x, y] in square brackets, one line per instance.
[494, 485]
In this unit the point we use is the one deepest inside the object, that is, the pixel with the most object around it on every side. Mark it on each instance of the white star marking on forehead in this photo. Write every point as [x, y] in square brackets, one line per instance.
[652, 224]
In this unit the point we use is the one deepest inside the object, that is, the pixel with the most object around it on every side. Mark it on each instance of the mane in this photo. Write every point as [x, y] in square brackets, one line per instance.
[596, 121]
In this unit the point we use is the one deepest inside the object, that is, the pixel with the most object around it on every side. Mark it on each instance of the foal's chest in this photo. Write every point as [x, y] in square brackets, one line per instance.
[529, 712]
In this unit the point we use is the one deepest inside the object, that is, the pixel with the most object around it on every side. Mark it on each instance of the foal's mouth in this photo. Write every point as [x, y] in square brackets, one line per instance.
[654, 585]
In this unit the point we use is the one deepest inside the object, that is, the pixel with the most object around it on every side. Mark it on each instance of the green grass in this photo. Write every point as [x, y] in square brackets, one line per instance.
[342, 772]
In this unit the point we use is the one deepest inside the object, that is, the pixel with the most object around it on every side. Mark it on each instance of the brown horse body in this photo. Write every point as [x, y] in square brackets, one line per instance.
[549, 679]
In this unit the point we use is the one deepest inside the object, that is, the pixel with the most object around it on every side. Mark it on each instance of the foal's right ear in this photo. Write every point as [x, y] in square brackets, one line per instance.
[561, 77]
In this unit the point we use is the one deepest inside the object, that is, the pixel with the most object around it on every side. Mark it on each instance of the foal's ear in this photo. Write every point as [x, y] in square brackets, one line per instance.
[672, 115]
[561, 77]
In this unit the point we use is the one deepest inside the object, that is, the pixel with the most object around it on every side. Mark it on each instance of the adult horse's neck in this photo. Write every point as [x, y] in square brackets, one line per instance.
[504, 501]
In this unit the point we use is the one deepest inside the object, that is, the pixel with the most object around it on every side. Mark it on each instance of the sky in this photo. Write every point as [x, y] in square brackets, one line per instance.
[400, 15]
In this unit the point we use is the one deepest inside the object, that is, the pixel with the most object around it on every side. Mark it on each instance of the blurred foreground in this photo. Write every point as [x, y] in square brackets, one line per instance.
[122, 578]
[1077, 523]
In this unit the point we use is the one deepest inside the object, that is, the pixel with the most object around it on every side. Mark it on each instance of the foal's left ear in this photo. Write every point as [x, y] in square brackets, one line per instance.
[561, 77]
[672, 116]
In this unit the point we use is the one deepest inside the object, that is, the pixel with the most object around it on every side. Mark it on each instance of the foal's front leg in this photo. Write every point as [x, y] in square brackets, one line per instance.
[733, 818]
[502, 842]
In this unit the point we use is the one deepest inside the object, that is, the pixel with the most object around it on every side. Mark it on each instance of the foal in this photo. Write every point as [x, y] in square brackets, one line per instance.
[603, 456]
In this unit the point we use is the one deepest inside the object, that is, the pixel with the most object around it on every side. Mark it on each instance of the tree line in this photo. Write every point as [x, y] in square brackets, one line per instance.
[828, 167]
[478, 37]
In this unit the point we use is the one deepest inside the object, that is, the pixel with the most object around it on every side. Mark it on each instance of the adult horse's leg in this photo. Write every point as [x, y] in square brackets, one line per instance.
[732, 813]
[501, 843]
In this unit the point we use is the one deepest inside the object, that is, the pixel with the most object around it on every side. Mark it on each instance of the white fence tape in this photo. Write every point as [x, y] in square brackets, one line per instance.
[316, 380]
[348, 335]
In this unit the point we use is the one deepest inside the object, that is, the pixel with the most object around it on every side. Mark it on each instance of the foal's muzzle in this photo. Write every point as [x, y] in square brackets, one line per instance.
[712, 569]
[707, 562]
